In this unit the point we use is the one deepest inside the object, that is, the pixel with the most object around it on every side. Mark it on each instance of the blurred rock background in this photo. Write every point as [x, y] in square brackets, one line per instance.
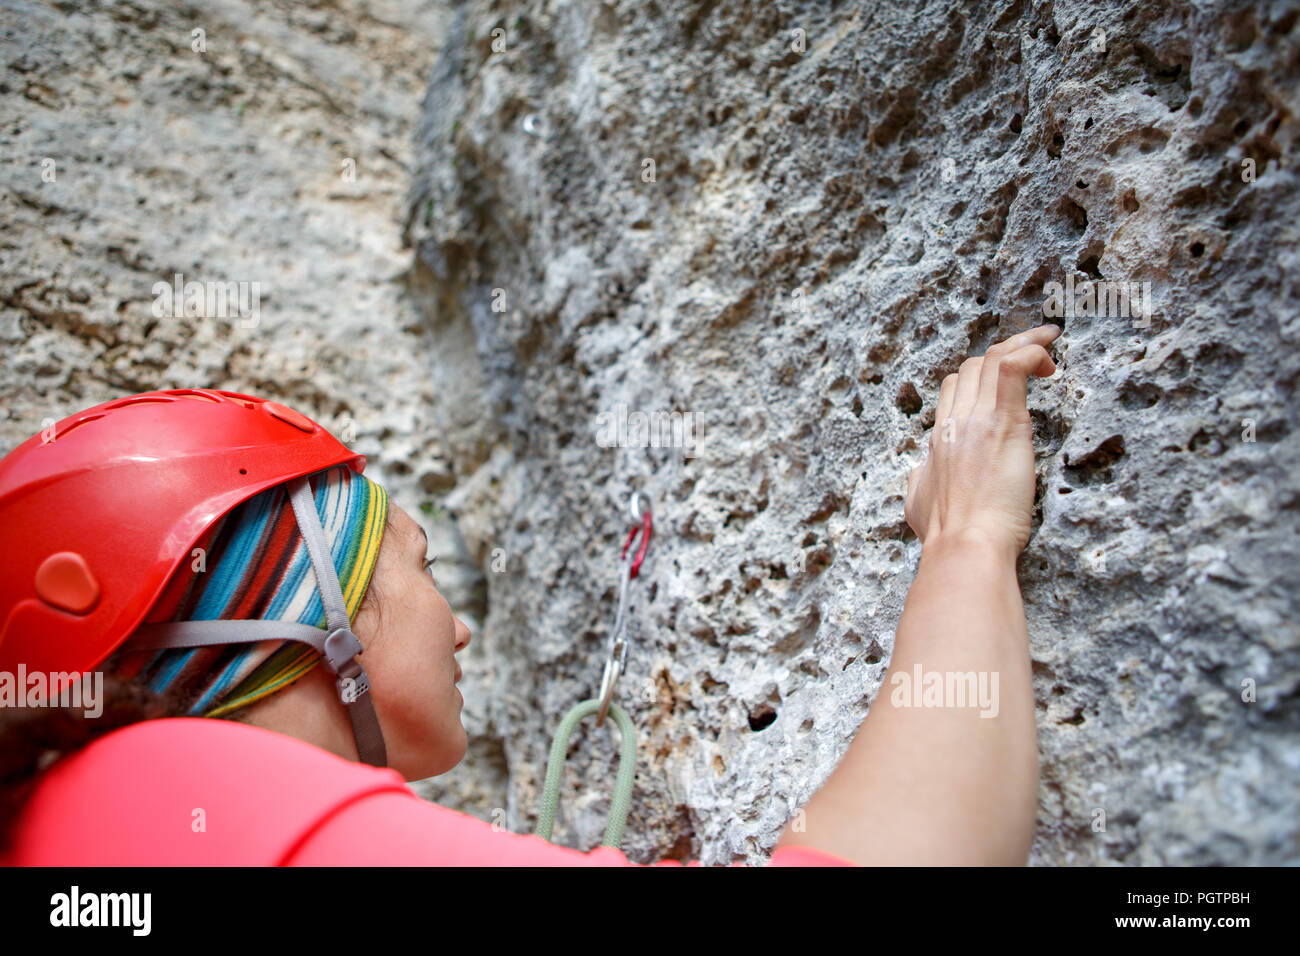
[788, 220]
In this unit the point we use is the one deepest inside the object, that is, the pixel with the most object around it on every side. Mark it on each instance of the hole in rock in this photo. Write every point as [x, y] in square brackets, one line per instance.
[761, 717]
[908, 399]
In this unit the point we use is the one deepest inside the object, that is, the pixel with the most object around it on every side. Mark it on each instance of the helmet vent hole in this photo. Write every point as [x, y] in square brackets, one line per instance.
[146, 399]
[194, 394]
[63, 433]
[243, 471]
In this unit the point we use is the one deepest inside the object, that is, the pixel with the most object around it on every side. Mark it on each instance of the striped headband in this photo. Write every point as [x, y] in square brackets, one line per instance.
[254, 565]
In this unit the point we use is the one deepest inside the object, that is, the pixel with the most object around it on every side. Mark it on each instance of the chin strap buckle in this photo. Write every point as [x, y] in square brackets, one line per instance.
[341, 650]
[353, 685]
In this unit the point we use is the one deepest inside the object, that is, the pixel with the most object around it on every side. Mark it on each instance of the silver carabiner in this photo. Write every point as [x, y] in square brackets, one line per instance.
[616, 656]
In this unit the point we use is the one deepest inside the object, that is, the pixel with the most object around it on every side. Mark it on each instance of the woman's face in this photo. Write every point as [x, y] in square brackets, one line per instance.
[411, 639]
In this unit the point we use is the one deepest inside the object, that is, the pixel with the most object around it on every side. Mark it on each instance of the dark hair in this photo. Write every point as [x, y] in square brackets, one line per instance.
[34, 738]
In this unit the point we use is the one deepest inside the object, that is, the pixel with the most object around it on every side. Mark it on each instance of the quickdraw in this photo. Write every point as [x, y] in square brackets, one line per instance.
[616, 659]
[615, 666]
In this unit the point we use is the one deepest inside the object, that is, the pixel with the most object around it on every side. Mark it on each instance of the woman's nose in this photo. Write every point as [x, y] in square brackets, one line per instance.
[462, 635]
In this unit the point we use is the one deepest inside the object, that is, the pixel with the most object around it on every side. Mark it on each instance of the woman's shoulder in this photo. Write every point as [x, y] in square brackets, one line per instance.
[188, 791]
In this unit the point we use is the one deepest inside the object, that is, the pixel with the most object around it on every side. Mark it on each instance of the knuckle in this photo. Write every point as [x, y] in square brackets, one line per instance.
[971, 364]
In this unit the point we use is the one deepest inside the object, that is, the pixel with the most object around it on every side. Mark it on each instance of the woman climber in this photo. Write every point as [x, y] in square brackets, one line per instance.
[207, 551]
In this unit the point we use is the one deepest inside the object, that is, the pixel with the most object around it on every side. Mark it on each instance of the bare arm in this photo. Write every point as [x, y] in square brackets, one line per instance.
[944, 769]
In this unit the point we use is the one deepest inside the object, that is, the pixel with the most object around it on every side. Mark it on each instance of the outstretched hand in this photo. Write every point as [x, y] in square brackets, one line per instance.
[978, 478]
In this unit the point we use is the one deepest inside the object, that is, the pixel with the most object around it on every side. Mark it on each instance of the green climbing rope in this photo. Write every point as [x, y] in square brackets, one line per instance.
[626, 771]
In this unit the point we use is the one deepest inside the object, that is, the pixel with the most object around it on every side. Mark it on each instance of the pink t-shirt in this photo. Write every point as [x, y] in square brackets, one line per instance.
[193, 791]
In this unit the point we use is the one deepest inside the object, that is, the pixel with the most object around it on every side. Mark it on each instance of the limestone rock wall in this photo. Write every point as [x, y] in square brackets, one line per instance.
[128, 156]
[788, 221]
[791, 220]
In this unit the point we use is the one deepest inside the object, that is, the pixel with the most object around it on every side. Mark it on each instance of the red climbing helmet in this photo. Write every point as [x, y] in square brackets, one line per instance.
[98, 511]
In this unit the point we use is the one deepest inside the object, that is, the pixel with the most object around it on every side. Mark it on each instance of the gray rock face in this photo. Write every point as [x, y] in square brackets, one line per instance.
[790, 221]
[273, 148]
[787, 221]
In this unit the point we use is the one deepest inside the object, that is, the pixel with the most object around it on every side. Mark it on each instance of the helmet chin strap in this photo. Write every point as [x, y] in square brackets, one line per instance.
[337, 644]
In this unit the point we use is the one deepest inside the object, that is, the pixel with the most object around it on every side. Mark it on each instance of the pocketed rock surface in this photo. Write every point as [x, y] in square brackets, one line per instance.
[670, 207]
[787, 221]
